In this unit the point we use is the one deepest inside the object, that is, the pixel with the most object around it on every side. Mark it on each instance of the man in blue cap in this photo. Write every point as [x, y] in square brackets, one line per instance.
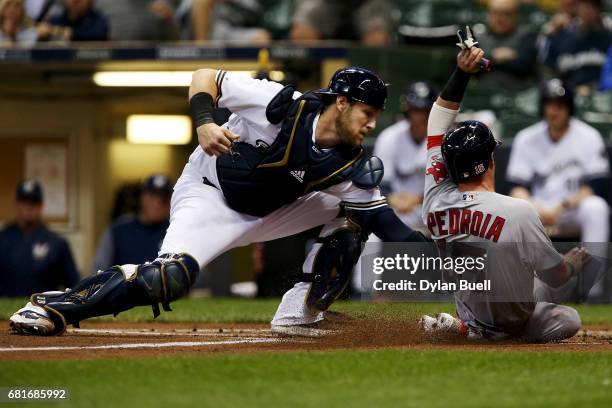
[33, 257]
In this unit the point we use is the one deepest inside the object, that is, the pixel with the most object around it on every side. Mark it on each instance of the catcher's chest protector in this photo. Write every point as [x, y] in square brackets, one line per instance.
[259, 180]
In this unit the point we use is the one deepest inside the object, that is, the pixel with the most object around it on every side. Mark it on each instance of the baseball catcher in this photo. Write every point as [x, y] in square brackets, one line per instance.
[284, 162]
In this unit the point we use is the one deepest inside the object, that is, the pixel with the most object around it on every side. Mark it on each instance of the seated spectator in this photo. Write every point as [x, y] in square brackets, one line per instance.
[135, 239]
[228, 20]
[40, 10]
[369, 21]
[509, 46]
[402, 148]
[15, 26]
[565, 18]
[34, 259]
[560, 165]
[578, 53]
[79, 21]
[139, 20]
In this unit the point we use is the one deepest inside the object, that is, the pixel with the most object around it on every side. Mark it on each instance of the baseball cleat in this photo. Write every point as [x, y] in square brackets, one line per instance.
[300, 330]
[31, 320]
[441, 323]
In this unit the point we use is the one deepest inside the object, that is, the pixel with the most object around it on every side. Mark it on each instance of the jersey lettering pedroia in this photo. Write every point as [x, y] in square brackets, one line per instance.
[510, 226]
[556, 170]
[247, 99]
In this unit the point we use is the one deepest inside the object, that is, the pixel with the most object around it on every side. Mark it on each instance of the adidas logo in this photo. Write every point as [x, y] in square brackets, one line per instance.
[298, 174]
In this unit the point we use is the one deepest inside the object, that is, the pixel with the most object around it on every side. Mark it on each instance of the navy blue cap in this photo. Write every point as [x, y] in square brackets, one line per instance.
[420, 95]
[158, 183]
[30, 191]
[358, 84]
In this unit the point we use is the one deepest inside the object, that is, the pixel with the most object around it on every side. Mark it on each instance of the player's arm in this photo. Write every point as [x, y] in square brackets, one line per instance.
[468, 63]
[203, 95]
[367, 208]
[537, 248]
[571, 265]
[573, 201]
[443, 114]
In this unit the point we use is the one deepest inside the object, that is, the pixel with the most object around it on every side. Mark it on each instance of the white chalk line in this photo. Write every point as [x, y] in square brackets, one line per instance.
[176, 332]
[147, 345]
[600, 334]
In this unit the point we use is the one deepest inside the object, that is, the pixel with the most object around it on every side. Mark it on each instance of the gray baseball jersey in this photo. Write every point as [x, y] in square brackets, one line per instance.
[516, 243]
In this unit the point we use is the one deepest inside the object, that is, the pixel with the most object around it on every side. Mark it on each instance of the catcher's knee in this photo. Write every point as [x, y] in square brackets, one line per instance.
[332, 268]
[121, 288]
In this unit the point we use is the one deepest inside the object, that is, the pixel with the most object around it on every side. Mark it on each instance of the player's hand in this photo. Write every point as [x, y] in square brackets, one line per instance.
[468, 60]
[214, 139]
[575, 259]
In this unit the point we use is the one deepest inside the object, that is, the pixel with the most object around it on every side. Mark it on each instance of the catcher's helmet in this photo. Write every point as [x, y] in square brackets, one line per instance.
[420, 95]
[556, 89]
[467, 149]
[358, 84]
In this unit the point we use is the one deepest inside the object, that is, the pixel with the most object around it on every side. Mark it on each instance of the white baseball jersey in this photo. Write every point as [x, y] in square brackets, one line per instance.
[510, 226]
[556, 170]
[403, 157]
[404, 161]
[201, 222]
[247, 99]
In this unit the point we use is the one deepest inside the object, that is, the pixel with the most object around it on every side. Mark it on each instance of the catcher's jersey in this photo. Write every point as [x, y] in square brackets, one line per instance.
[247, 99]
[556, 170]
[510, 226]
[403, 157]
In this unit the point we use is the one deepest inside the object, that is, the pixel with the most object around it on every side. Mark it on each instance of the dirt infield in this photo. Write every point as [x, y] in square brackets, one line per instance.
[111, 339]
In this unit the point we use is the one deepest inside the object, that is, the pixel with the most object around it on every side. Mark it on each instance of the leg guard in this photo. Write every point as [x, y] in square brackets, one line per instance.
[332, 268]
[120, 288]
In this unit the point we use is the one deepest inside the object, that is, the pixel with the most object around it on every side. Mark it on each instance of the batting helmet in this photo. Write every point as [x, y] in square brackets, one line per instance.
[556, 89]
[420, 95]
[467, 149]
[358, 84]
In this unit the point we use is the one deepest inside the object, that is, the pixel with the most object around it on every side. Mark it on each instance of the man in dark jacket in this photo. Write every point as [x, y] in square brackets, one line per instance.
[34, 259]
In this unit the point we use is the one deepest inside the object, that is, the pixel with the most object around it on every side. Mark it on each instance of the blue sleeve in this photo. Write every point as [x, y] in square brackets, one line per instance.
[383, 222]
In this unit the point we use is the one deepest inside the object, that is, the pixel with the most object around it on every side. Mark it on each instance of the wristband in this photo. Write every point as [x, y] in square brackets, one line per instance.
[201, 105]
[455, 87]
